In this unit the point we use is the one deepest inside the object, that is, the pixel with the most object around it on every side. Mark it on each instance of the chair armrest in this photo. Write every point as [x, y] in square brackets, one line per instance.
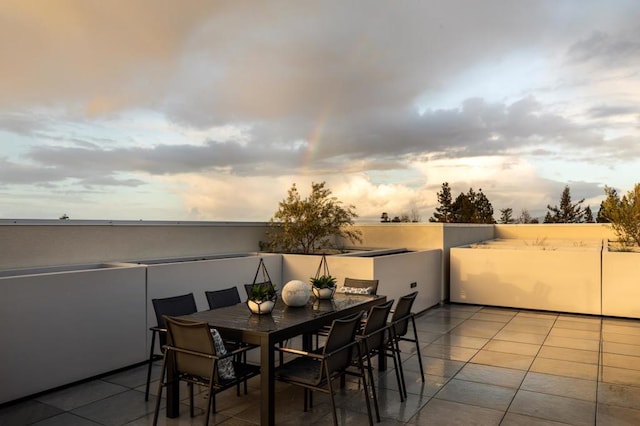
[301, 353]
[158, 329]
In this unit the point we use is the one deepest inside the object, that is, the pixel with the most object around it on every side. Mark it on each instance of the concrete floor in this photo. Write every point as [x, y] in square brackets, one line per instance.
[483, 366]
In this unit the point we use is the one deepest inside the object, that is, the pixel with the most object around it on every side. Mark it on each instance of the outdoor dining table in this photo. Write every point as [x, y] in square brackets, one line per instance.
[238, 323]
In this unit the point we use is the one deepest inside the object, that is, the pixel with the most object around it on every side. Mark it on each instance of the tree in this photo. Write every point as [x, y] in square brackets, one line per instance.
[384, 218]
[588, 215]
[483, 208]
[506, 215]
[525, 217]
[444, 211]
[305, 225]
[568, 212]
[464, 207]
[624, 214]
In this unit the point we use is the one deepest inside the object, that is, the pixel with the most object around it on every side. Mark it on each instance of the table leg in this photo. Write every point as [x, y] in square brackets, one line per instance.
[267, 383]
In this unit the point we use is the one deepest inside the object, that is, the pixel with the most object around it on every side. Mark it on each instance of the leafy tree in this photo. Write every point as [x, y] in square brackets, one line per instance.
[305, 225]
[624, 214]
[464, 208]
[506, 215]
[601, 217]
[588, 215]
[525, 217]
[384, 218]
[483, 208]
[444, 211]
[568, 212]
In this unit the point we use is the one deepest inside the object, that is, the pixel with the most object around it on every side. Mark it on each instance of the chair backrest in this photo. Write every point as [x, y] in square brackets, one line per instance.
[174, 306]
[340, 339]
[402, 313]
[376, 321]
[192, 336]
[221, 298]
[360, 283]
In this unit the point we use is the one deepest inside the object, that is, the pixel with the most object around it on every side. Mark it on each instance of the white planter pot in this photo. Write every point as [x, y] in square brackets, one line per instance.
[262, 307]
[323, 293]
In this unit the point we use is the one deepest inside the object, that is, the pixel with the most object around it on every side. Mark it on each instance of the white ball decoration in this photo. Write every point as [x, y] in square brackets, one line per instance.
[296, 293]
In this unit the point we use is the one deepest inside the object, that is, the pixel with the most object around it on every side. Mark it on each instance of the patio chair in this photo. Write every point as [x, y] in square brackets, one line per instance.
[315, 371]
[221, 298]
[372, 338]
[400, 327]
[352, 286]
[172, 306]
[195, 358]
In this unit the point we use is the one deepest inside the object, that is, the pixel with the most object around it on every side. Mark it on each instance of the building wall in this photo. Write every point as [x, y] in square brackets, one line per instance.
[572, 231]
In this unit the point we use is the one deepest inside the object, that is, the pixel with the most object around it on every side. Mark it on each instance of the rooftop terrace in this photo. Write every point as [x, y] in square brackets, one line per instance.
[483, 365]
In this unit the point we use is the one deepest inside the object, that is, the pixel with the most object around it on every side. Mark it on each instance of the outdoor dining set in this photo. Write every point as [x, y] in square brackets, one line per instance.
[334, 337]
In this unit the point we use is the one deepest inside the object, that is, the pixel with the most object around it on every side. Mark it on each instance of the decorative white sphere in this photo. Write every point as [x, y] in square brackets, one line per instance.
[296, 293]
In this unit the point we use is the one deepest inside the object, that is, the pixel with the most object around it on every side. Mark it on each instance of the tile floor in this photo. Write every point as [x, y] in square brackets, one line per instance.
[483, 366]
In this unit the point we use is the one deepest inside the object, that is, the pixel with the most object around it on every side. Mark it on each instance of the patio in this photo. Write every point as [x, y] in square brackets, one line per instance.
[483, 365]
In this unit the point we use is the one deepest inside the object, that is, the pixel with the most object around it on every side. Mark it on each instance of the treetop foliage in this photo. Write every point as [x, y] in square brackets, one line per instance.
[472, 207]
[623, 213]
[567, 212]
[306, 225]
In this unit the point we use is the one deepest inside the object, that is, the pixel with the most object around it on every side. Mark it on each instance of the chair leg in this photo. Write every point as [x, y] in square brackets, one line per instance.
[373, 387]
[365, 389]
[403, 388]
[333, 403]
[160, 386]
[191, 400]
[397, 365]
[211, 401]
[153, 343]
[415, 335]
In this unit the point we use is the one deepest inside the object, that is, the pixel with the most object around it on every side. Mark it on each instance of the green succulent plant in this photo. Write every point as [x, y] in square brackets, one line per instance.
[323, 281]
[261, 292]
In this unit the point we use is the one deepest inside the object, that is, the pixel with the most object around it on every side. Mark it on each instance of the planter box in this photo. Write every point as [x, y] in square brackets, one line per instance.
[554, 276]
[68, 323]
[620, 283]
[396, 270]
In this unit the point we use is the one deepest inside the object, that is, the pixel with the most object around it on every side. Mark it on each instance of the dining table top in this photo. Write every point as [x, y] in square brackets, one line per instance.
[239, 318]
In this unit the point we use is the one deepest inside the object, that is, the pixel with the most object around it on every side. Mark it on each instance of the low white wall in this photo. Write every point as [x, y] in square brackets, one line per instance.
[395, 272]
[620, 283]
[565, 280]
[61, 327]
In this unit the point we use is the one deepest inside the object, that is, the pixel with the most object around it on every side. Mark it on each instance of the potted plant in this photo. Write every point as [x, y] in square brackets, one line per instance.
[323, 286]
[261, 298]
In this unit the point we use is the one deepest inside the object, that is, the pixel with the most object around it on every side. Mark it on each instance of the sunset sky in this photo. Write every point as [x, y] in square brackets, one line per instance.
[207, 110]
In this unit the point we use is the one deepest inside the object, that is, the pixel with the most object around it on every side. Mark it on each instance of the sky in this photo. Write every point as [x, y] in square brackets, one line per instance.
[211, 110]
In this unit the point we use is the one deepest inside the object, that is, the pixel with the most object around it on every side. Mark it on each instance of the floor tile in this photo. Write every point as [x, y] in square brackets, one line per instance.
[27, 412]
[568, 354]
[462, 341]
[448, 413]
[572, 324]
[520, 337]
[475, 328]
[488, 316]
[609, 415]
[501, 359]
[560, 385]
[621, 348]
[555, 408]
[512, 347]
[574, 334]
[619, 395]
[631, 339]
[527, 328]
[621, 376]
[506, 377]
[565, 368]
[621, 361]
[513, 419]
[567, 342]
[66, 419]
[621, 327]
[118, 409]
[441, 367]
[480, 394]
[449, 352]
[83, 394]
